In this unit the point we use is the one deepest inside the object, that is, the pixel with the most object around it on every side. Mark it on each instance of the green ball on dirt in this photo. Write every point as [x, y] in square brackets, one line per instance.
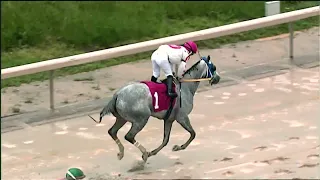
[74, 174]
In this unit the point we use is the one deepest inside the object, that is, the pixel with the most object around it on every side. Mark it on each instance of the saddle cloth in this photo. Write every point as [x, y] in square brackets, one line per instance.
[160, 98]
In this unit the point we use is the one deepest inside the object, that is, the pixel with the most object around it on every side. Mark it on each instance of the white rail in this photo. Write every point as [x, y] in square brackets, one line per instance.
[153, 44]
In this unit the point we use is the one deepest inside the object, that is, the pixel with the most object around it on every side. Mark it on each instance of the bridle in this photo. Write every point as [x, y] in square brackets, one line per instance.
[199, 79]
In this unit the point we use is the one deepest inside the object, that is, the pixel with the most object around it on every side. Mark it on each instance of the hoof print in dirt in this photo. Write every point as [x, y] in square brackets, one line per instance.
[280, 159]
[261, 148]
[266, 161]
[294, 138]
[270, 161]
[228, 173]
[28, 101]
[313, 156]
[16, 109]
[178, 163]
[96, 87]
[283, 171]
[309, 165]
[226, 159]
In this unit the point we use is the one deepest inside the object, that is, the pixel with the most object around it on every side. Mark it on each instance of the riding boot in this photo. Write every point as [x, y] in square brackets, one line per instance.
[154, 79]
[169, 87]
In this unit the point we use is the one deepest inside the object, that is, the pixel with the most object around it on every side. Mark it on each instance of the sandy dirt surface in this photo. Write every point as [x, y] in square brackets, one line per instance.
[266, 128]
[35, 96]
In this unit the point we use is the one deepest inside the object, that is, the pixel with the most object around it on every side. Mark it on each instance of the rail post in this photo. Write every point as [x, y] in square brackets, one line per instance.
[291, 31]
[51, 87]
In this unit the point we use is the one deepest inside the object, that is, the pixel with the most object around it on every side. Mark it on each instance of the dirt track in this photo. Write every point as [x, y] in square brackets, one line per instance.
[266, 128]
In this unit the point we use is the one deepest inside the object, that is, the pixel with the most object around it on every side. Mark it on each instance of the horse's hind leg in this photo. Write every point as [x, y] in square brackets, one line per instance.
[185, 123]
[113, 133]
[130, 136]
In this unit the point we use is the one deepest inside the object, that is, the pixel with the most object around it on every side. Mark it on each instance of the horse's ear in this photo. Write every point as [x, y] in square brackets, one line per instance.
[208, 58]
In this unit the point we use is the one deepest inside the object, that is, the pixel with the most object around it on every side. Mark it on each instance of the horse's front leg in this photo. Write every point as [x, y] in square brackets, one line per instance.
[185, 123]
[166, 136]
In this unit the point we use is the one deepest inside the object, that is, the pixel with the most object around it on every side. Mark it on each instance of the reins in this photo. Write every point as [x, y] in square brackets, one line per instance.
[195, 80]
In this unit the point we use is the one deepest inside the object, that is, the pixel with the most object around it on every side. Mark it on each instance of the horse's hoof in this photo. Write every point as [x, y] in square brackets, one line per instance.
[176, 148]
[145, 156]
[120, 155]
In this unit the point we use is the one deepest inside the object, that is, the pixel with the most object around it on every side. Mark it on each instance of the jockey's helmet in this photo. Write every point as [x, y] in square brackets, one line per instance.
[191, 46]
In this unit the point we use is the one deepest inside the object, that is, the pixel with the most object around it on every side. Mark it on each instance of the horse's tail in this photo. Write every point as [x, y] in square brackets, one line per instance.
[110, 107]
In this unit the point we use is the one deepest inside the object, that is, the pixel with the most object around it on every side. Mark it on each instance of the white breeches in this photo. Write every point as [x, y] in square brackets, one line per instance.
[160, 61]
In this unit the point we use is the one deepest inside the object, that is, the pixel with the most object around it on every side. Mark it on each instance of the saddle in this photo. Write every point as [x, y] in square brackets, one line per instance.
[160, 99]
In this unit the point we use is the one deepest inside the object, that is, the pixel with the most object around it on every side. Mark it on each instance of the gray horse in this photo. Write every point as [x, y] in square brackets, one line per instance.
[133, 103]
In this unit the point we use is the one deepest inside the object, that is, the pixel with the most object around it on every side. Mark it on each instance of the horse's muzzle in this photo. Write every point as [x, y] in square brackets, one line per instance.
[215, 79]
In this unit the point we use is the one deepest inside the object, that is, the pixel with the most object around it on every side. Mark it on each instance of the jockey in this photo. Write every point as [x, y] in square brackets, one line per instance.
[168, 55]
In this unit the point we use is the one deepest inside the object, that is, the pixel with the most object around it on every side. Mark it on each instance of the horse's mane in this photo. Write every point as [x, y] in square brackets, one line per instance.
[192, 68]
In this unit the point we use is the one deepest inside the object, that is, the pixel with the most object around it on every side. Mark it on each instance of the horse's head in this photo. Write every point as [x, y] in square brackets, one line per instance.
[204, 69]
[210, 70]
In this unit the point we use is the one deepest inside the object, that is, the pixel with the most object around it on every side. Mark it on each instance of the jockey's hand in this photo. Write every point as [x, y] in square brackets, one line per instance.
[175, 76]
[178, 78]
